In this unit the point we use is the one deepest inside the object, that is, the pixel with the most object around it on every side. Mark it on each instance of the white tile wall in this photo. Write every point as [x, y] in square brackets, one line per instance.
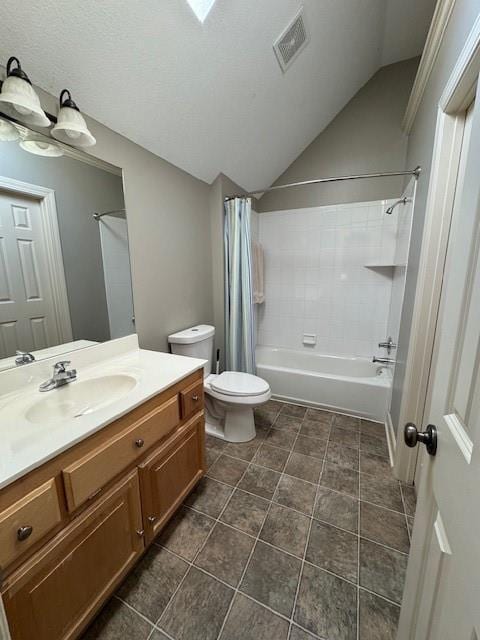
[316, 280]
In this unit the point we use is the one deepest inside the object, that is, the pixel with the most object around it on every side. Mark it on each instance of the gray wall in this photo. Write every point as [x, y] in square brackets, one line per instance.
[169, 237]
[365, 137]
[80, 189]
[420, 147]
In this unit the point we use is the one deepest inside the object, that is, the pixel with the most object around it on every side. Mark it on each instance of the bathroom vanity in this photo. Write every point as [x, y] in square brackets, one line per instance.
[86, 486]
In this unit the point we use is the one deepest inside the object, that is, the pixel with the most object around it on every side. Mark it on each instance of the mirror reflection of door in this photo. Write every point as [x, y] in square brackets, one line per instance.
[65, 278]
[28, 309]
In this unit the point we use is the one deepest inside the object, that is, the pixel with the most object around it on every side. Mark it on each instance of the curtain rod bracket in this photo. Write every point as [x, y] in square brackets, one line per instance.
[114, 212]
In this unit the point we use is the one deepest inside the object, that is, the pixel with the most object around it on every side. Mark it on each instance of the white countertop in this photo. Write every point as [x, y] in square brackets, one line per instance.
[27, 445]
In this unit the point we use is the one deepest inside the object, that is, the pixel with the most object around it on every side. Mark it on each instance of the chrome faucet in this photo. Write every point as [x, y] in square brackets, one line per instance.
[388, 344]
[23, 357]
[383, 360]
[61, 376]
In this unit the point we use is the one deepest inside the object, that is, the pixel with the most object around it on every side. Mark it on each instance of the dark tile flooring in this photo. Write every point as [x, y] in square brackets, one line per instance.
[300, 534]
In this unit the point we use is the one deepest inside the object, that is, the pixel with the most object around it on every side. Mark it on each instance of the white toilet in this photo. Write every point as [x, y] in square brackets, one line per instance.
[231, 396]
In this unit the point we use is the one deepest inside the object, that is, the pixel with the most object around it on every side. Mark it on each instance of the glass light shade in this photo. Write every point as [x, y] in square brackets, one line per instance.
[41, 147]
[8, 131]
[19, 100]
[72, 128]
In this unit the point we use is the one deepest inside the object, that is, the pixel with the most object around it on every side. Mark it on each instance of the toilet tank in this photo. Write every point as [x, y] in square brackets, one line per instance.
[196, 342]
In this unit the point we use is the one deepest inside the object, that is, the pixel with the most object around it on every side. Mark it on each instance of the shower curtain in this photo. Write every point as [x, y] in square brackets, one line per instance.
[239, 315]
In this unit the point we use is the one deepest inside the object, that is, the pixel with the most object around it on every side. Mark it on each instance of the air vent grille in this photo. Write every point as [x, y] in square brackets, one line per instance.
[293, 39]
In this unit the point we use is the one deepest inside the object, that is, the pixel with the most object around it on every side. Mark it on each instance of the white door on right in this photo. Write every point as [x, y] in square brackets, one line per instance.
[442, 597]
[27, 311]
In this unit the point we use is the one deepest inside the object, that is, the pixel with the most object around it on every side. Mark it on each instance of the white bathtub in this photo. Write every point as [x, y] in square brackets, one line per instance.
[348, 385]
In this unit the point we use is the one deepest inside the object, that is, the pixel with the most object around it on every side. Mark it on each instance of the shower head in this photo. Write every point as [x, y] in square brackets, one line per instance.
[390, 209]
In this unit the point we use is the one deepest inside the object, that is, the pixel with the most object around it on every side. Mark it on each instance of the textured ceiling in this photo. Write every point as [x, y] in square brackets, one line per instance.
[210, 97]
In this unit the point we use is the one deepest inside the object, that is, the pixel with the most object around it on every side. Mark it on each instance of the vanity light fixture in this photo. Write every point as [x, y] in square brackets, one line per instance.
[71, 126]
[41, 147]
[8, 131]
[18, 98]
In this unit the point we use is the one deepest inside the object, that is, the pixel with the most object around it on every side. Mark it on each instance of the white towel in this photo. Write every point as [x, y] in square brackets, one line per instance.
[257, 268]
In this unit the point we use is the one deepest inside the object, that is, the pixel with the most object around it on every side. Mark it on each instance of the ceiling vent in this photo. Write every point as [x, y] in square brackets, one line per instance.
[292, 40]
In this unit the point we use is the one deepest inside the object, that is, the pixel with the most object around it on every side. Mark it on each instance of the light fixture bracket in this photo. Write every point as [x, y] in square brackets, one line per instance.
[67, 102]
[17, 72]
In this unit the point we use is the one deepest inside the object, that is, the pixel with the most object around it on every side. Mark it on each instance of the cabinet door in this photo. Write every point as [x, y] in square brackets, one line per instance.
[170, 474]
[59, 589]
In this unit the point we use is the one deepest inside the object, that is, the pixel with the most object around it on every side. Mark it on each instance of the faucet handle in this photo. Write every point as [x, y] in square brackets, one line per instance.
[60, 367]
[23, 357]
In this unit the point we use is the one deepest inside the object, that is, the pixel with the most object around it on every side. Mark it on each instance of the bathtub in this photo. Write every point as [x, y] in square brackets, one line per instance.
[347, 385]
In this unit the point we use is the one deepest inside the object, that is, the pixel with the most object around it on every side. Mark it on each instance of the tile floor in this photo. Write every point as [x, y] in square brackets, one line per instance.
[300, 534]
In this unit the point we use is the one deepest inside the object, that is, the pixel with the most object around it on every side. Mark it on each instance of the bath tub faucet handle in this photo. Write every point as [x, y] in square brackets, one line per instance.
[383, 360]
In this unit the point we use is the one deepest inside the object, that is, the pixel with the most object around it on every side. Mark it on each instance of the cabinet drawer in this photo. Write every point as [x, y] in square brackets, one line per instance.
[191, 399]
[84, 478]
[27, 521]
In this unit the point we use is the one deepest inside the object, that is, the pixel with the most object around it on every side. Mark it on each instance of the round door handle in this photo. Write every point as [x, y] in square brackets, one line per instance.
[152, 519]
[24, 532]
[139, 443]
[428, 437]
[140, 533]
[195, 397]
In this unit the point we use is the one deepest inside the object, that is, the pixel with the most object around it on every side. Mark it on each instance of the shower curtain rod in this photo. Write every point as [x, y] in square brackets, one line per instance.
[386, 174]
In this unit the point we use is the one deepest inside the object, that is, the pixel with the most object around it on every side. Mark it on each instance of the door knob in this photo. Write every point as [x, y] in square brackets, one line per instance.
[427, 437]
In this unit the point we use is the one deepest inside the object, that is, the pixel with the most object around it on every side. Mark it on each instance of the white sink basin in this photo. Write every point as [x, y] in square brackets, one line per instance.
[80, 398]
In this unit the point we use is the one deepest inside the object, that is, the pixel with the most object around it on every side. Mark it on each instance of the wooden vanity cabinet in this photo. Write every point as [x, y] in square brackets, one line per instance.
[169, 474]
[93, 510]
[66, 583]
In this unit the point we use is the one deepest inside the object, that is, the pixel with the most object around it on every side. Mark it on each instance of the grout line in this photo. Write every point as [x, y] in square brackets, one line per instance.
[405, 512]
[368, 475]
[254, 545]
[323, 441]
[307, 541]
[129, 606]
[378, 595]
[191, 563]
[301, 513]
[234, 488]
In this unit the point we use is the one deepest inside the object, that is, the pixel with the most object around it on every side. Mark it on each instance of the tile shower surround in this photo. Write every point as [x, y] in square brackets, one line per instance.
[316, 280]
[301, 533]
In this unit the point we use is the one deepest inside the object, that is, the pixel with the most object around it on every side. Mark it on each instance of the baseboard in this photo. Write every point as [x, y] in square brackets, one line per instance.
[391, 440]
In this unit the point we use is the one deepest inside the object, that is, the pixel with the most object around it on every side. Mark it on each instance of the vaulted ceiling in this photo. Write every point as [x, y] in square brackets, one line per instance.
[210, 97]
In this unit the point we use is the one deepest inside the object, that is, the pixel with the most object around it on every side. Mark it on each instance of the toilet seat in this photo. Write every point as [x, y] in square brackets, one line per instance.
[238, 384]
[232, 399]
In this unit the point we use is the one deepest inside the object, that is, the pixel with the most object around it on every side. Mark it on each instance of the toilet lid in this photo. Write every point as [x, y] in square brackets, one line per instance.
[235, 383]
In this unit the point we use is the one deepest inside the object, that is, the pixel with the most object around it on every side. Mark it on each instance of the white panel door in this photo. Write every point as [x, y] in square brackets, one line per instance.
[442, 593]
[27, 312]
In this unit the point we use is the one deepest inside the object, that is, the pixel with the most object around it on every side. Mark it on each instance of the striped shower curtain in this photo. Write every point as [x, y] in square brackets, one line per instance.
[239, 316]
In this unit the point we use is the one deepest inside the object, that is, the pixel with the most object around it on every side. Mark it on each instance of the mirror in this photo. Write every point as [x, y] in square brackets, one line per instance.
[65, 278]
